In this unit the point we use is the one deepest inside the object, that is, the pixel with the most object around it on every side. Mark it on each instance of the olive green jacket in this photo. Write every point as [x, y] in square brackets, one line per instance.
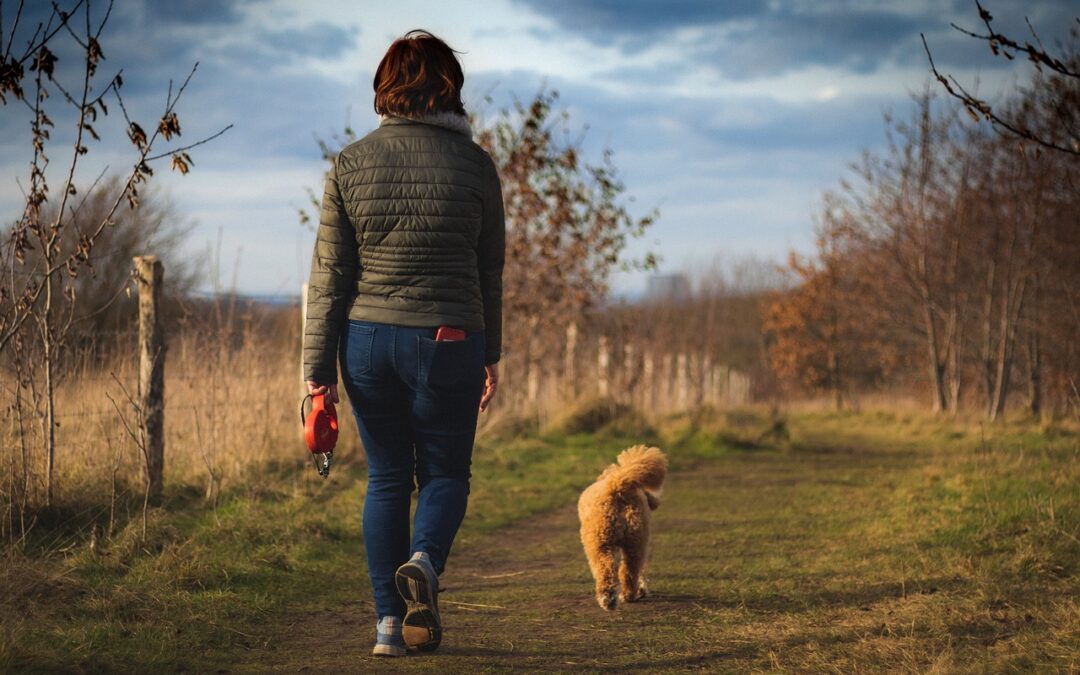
[411, 233]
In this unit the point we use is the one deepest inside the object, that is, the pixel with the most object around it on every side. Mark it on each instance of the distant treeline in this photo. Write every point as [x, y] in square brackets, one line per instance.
[951, 264]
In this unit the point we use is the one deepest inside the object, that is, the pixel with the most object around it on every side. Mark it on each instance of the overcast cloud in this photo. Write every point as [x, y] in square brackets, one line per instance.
[731, 117]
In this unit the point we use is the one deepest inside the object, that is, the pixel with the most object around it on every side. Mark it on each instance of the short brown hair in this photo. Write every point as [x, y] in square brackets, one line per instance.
[419, 74]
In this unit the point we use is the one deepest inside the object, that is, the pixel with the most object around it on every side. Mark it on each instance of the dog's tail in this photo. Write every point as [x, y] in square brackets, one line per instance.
[642, 468]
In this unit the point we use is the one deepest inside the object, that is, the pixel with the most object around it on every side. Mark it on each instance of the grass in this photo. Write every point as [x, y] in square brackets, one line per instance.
[822, 541]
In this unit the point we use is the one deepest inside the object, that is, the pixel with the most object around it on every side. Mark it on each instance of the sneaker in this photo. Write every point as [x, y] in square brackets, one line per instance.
[388, 640]
[419, 586]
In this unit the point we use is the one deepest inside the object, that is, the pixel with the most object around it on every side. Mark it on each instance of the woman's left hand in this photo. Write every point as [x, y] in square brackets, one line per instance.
[491, 385]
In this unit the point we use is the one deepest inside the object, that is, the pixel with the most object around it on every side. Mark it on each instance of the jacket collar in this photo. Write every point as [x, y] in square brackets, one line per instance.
[448, 120]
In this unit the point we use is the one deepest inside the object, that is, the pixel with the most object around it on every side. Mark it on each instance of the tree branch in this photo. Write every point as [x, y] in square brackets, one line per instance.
[976, 107]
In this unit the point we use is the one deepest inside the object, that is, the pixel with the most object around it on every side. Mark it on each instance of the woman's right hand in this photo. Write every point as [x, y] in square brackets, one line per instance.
[491, 385]
[316, 389]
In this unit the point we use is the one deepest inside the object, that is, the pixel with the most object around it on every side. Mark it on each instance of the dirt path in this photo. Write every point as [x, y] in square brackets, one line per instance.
[521, 598]
[760, 561]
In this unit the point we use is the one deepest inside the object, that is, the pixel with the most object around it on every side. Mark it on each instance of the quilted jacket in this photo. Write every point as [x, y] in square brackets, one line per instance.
[410, 233]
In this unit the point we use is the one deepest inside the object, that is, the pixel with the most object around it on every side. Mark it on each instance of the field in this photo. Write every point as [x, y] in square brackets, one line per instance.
[809, 542]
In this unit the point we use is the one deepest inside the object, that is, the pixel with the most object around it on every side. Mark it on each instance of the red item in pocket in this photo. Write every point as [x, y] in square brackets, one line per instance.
[448, 334]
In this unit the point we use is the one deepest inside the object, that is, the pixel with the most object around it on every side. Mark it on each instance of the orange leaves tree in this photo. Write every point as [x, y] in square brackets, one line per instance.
[567, 224]
[822, 335]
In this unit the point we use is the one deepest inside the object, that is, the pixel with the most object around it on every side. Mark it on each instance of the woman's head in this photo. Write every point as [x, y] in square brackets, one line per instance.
[418, 75]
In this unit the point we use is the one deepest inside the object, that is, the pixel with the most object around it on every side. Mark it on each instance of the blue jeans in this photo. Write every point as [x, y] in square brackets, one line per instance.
[416, 402]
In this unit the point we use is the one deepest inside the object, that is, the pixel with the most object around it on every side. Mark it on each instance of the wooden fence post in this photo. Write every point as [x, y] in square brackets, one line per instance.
[667, 383]
[149, 274]
[647, 383]
[705, 396]
[532, 382]
[602, 360]
[683, 381]
[570, 383]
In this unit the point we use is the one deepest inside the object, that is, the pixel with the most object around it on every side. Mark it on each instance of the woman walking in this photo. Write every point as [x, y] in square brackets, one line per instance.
[406, 290]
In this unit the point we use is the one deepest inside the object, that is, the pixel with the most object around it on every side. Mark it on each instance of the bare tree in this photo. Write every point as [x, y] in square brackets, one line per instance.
[910, 210]
[1047, 112]
[39, 297]
[960, 247]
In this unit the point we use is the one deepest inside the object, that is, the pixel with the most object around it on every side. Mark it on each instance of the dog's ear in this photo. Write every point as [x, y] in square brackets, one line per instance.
[653, 498]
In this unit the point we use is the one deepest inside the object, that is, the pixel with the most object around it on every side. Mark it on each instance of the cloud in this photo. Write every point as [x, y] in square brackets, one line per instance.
[630, 21]
[746, 40]
[781, 41]
[195, 12]
[732, 117]
[319, 40]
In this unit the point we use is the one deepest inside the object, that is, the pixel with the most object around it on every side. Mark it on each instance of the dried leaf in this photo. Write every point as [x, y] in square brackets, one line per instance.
[178, 164]
[169, 126]
[137, 135]
[44, 62]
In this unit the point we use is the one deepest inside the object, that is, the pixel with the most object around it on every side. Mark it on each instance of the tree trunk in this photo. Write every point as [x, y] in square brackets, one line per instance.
[955, 364]
[1034, 351]
[1034, 373]
[937, 380]
[988, 333]
[834, 378]
[1012, 304]
[49, 355]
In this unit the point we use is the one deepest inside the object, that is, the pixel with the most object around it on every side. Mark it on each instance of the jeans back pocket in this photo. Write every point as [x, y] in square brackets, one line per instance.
[356, 346]
[450, 363]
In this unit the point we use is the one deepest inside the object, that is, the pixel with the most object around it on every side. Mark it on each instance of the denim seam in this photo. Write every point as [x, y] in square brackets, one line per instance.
[393, 347]
[419, 361]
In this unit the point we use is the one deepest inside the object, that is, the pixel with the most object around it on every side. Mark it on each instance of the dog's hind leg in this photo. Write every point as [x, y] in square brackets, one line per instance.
[602, 565]
[632, 569]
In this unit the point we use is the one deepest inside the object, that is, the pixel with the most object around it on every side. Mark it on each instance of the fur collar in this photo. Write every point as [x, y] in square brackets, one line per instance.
[448, 120]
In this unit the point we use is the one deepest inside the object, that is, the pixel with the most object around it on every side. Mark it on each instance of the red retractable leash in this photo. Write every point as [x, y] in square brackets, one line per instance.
[320, 430]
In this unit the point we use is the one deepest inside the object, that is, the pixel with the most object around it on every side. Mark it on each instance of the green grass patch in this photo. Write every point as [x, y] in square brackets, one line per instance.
[831, 540]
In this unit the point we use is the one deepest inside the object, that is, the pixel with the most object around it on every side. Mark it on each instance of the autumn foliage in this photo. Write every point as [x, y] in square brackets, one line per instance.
[948, 266]
[566, 224]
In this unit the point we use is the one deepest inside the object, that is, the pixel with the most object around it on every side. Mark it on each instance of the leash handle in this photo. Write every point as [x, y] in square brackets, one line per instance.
[323, 429]
[303, 420]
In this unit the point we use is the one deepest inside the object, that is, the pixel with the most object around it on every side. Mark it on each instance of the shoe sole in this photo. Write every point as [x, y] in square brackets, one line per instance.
[388, 650]
[421, 628]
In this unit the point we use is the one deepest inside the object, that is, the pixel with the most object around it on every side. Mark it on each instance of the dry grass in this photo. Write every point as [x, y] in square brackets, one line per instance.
[874, 542]
[231, 424]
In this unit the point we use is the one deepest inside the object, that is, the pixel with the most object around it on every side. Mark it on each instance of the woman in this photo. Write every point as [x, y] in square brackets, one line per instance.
[406, 289]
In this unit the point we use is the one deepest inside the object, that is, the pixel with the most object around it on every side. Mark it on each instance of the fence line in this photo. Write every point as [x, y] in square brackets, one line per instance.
[587, 360]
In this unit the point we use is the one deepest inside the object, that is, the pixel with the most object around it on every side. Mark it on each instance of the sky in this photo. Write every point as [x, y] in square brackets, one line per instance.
[731, 118]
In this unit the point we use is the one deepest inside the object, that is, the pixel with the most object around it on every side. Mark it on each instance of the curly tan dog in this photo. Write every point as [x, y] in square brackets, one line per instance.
[614, 513]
